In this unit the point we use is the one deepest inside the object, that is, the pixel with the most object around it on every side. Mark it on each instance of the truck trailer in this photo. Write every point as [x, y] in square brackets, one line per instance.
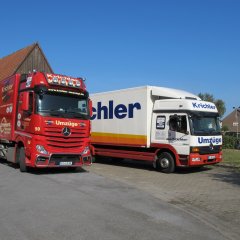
[169, 127]
[44, 121]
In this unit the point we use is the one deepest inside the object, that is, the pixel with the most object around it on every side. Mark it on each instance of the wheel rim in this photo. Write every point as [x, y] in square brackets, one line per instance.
[164, 163]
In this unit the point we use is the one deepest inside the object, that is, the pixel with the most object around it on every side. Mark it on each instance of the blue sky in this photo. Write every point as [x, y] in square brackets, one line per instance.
[187, 44]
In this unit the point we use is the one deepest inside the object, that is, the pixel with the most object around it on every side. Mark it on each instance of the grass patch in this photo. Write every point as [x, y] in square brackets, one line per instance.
[231, 157]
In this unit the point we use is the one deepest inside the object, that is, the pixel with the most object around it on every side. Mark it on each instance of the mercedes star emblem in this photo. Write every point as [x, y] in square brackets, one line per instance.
[66, 131]
[211, 146]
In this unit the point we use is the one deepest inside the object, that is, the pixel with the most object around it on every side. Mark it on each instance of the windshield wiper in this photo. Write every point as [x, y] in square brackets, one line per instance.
[78, 114]
[214, 132]
[52, 112]
[64, 112]
[206, 132]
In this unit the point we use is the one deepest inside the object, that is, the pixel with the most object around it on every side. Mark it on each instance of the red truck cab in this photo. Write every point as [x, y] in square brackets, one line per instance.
[44, 121]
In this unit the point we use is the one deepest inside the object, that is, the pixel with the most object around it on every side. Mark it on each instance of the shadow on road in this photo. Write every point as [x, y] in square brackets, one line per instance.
[6, 163]
[193, 170]
[47, 171]
[126, 163]
[146, 165]
[229, 176]
[44, 171]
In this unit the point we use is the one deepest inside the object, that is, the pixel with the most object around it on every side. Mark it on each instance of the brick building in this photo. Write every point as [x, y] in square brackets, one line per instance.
[232, 121]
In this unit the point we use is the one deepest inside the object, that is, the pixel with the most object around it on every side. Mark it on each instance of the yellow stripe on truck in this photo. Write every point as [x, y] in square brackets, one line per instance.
[112, 138]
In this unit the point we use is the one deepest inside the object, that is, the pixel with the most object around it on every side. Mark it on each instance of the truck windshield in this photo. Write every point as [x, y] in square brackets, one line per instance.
[204, 124]
[64, 105]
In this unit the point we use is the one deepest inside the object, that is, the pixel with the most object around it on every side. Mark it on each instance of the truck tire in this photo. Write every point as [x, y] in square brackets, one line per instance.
[21, 160]
[166, 163]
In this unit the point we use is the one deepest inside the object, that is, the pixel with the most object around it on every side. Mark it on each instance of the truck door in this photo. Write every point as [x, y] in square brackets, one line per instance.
[24, 115]
[171, 129]
[178, 133]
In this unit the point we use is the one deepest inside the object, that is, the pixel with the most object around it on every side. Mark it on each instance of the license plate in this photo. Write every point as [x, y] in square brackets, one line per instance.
[211, 157]
[65, 163]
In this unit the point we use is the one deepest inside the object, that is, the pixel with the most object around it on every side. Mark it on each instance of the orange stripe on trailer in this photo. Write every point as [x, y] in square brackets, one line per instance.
[97, 137]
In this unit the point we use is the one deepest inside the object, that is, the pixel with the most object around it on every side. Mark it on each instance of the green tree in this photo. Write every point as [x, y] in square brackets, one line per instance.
[220, 104]
[206, 97]
[225, 128]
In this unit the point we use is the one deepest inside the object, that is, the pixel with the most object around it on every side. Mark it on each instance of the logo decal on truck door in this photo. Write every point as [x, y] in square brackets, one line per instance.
[5, 127]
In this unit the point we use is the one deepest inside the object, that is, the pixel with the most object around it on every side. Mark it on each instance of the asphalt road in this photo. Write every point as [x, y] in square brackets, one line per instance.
[60, 204]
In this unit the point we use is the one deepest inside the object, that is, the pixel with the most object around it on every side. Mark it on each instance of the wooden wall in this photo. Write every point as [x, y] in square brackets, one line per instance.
[35, 61]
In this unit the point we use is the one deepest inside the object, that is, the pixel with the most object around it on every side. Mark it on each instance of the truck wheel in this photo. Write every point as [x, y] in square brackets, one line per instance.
[166, 163]
[21, 160]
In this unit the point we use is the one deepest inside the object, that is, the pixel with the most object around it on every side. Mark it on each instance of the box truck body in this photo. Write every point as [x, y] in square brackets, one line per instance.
[138, 123]
[44, 121]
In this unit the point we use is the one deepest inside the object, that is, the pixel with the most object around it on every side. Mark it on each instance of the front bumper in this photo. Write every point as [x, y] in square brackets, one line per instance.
[39, 154]
[196, 159]
[63, 160]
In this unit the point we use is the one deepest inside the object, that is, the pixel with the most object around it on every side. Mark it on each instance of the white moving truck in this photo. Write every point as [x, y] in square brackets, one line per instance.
[170, 127]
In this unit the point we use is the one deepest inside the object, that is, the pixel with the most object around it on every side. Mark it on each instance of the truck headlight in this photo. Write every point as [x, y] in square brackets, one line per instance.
[85, 151]
[78, 84]
[55, 80]
[195, 149]
[41, 149]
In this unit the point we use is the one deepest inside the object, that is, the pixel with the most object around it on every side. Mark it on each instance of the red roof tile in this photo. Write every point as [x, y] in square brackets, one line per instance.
[10, 63]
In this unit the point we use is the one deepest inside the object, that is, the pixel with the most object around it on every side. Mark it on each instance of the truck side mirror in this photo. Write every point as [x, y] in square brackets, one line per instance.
[25, 101]
[90, 107]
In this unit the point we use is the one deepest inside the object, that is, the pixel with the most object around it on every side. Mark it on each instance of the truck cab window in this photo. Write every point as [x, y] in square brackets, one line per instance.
[183, 124]
[30, 102]
[178, 123]
[82, 105]
[173, 124]
[63, 105]
[205, 124]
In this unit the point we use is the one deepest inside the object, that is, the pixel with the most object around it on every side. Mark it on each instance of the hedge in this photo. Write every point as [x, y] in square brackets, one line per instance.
[229, 142]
